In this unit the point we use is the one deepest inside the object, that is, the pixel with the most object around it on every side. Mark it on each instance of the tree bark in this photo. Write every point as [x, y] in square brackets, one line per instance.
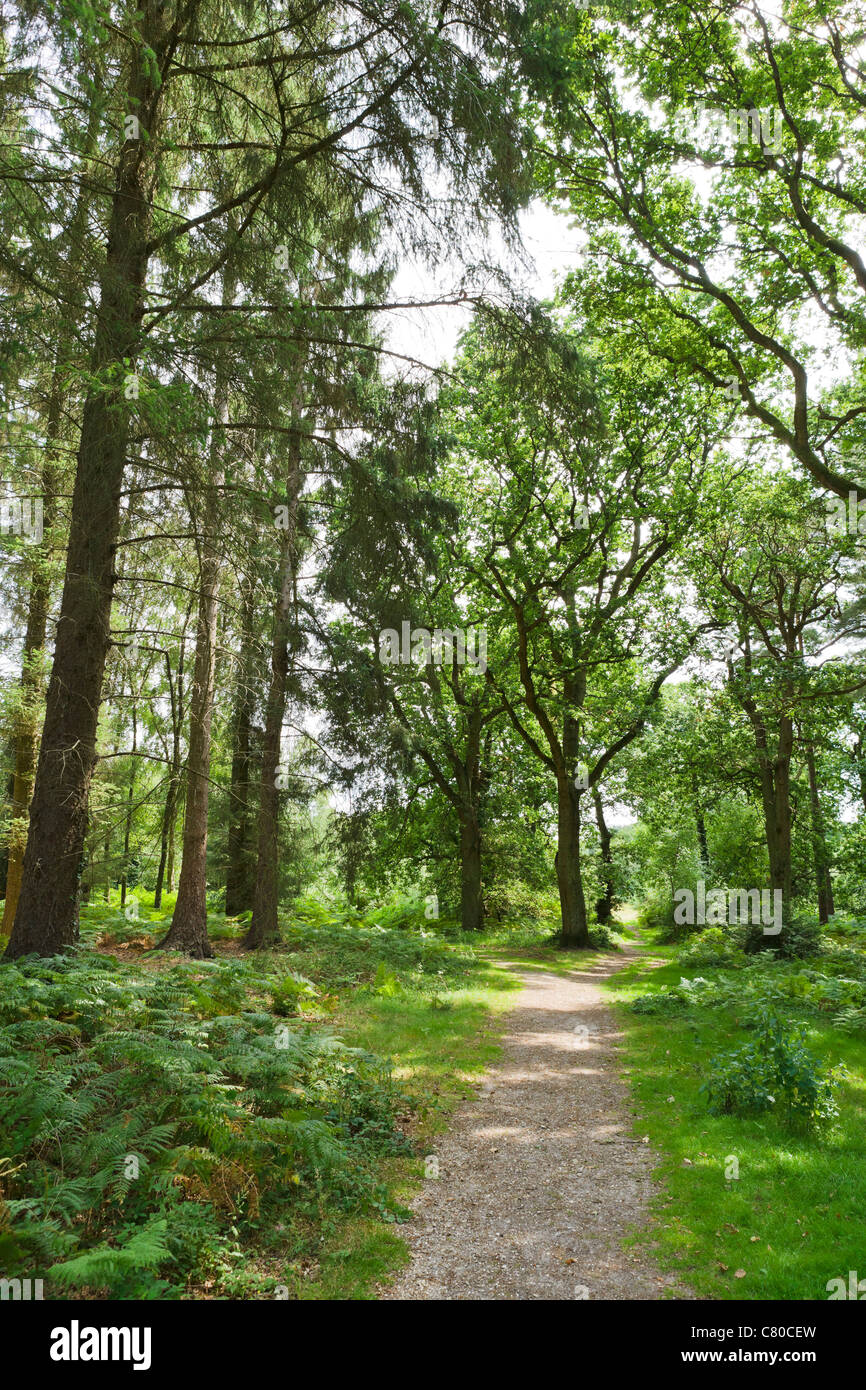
[263, 926]
[46, 920]
[604, 906]
[575, 927]
[176, 810]
[130, 802]
[471, 897]
[239, 886]
[701, 827]
[188, 931]
[169, 812]
[775, 781]
[26, 736]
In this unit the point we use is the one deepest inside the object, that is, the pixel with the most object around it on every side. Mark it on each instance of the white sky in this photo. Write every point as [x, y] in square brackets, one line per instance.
[551, 247]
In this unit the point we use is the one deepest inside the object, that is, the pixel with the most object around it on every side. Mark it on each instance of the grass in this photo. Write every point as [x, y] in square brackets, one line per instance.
[793, 1217]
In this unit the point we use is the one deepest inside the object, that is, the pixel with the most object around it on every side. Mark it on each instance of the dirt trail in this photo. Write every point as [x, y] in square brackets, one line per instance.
[540, 1178]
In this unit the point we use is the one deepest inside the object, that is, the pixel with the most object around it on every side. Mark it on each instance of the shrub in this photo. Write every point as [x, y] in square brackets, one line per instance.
[775, 1071]
[289, 993]
[800, 938]
[715, 946]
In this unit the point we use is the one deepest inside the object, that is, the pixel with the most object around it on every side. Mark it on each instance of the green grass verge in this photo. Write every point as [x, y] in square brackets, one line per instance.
[793, 1218]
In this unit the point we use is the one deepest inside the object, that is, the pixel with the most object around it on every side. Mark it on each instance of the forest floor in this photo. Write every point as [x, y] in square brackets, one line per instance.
[539, 1178]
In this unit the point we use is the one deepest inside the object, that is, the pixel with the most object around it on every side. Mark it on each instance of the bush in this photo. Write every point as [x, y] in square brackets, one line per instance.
[715, 946]
[288, 994]
[663, 1003]
[800, 938]
[774, 1072]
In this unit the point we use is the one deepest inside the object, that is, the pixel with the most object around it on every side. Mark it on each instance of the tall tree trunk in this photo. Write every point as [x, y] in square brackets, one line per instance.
[46, 920]
[470, 782]
[471, 898]
[177, 808]
[26, 734]
[604, 906]
[775, 781]
[10, 792]
[820, 849]
[188, 931]
[782, 874]
[107, 845]
[263, 926]
[130, 801]
[239, 886]
[858, 756]
[165, 830]
[701, 827]
[575, 927]
[169, 811]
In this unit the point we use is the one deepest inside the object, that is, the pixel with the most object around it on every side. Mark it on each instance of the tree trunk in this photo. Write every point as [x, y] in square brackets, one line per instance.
[858, 755]
[604, 906]
[239, 888]
[263, 926]
[701, 826]
[164, 831]
[782, 871]
[26, 735]
[130, 801]
[575, 928]
[775, 780]
[188, 931]
[46, 920]
[177, 809]
[471, 899]
[820, 850]
[169, 811]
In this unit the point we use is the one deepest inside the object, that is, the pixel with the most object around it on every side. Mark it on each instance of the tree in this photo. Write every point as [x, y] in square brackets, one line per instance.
[583, 487]
[722, 184]
[384, 72]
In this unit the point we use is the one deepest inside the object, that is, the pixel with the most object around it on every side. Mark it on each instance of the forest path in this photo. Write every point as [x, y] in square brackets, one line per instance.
[539, 1178]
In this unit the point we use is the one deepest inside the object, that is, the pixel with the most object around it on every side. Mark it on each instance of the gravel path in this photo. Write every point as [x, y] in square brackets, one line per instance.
[539, 1179]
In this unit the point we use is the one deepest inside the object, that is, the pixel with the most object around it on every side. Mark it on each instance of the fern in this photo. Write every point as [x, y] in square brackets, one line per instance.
[230, 1114]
